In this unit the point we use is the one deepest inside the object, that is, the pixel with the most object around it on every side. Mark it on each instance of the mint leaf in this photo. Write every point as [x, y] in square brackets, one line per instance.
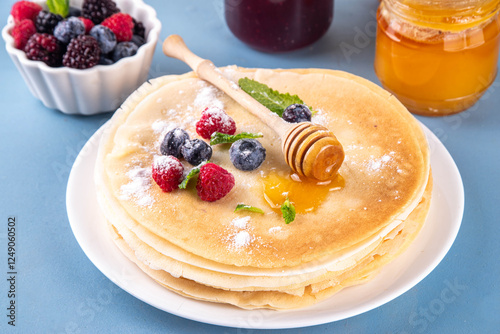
[222, 138]
[288, 211]
[271, 99]
[58, 7]
[246, 207]
[192, 173]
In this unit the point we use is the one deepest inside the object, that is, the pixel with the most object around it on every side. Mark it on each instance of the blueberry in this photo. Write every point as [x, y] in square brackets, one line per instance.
[124, 49]
[105, 60]
[138, 40]
[297, 113]
[247, 154]
[73, 11]
[173, 141]
[196, 151]
[105, 37]
[68, 29]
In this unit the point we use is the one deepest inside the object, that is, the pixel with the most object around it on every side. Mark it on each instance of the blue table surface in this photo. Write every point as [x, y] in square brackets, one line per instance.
[58, 288]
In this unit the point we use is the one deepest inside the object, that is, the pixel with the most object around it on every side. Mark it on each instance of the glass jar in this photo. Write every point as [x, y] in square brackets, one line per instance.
[278, 25]
[437, 56]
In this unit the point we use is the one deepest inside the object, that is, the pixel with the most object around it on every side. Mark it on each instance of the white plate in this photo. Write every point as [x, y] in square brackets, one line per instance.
[428, 249]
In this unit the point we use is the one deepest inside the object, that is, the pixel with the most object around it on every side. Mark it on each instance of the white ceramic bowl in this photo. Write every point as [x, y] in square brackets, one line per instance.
[97, 89]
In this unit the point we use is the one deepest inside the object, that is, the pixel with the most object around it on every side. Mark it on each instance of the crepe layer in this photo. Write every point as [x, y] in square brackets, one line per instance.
[206, 251]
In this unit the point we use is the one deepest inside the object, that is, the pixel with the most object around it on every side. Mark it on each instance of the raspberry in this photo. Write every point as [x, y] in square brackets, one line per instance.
[214, 120]
[122, 25]
[214, 182]
[45, 22]
[98, 10]
[87, 23]
[22, 10]
[297, 113]
[21, 32]
[82, 52]
[167, 172]
[44, 47]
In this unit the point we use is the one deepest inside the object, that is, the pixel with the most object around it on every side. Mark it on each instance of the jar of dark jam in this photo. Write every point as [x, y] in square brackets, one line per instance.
[278, 25]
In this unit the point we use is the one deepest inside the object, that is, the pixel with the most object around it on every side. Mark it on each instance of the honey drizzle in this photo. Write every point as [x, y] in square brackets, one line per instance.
[306, 195]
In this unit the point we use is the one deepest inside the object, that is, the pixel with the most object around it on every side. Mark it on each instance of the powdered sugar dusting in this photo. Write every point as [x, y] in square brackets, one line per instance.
[239, 233]
[229, 73]
[175, 120]
[358, 156]
[375, 164]
[219, 115]
[159, 125]
[242, 238]
[319, 117]
[275, 229]
[166, 162]
[234, 85]
[207, 96]
[138, 187]
[241, 222]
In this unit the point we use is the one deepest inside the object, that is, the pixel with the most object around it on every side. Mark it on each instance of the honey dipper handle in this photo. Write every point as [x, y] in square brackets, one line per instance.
[174, 47]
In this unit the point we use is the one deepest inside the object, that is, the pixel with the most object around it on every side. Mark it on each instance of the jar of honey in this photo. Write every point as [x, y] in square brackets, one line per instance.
[437, 56]
[278, 25]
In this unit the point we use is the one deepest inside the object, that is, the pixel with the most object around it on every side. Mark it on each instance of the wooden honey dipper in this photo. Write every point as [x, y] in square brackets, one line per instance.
[311, 150]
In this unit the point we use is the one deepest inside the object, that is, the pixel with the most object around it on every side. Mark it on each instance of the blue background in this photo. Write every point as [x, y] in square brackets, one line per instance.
[60, 290]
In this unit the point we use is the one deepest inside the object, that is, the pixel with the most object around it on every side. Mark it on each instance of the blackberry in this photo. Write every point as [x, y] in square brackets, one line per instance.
[73, 11]
[46, 48]
[68, 29]
[297, 113]
[124, 49]
[98, 10]
[247, 154]
[139, 28]
[83, 52]
[45, 22]
[105, 37]
[173, 142]
[196, 151]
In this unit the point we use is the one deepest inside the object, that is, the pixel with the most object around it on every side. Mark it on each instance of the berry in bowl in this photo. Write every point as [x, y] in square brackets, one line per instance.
[82, 56]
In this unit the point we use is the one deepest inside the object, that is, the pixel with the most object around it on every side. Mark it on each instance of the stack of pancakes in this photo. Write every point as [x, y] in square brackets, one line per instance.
[206, 251]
